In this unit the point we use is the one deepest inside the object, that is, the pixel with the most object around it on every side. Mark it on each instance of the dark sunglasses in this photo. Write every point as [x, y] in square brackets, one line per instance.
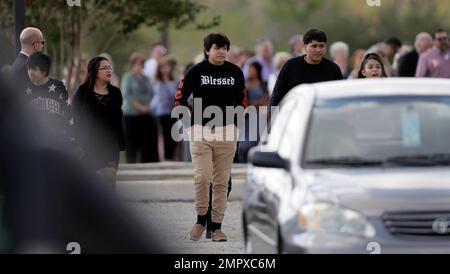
[42, 42]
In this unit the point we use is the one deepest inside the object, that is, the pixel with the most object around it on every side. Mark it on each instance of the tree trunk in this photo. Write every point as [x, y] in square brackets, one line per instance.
[61, 49]
[75, 54]
[19, 21]
[165, 35]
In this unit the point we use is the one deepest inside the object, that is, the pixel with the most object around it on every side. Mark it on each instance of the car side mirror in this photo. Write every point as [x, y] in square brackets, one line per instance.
[269, 159]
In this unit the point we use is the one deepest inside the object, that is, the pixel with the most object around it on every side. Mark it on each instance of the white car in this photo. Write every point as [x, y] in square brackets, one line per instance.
[359, 166]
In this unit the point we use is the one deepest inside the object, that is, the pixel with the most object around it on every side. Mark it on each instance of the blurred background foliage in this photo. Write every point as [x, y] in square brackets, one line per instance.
[121, 27]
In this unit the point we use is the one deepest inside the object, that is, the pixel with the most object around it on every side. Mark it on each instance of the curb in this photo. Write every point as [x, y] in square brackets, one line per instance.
[167, 191]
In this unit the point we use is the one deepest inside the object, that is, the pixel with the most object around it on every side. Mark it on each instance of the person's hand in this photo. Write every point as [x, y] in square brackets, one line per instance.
[142, 108]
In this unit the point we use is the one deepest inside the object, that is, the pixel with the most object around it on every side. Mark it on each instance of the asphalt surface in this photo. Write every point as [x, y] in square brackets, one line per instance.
[161, 196]
[172, 221]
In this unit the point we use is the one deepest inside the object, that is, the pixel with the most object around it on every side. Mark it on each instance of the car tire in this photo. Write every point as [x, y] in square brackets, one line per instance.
[280, 248]
[248, 244]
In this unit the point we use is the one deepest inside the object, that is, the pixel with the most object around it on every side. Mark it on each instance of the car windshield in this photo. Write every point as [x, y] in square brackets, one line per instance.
[379, 131]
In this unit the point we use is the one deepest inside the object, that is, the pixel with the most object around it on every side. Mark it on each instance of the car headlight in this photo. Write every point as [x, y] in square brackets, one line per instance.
[332, 218]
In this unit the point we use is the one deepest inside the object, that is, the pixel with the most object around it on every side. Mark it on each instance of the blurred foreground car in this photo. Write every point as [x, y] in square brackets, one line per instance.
[353, 167]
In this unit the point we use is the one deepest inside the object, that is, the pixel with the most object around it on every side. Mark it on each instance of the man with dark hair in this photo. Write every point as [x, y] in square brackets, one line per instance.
[393, 46]
[31, 40]
[39, 61]
[312, 67]
[48, 97]
[392, 49]
[218, 84]
[435, 62]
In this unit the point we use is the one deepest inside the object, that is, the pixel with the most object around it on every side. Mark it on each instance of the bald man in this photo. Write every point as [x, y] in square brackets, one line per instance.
[31, 40]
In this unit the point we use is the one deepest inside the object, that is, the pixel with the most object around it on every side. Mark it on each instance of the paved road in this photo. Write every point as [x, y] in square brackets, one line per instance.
[162, 196]
[173, 221]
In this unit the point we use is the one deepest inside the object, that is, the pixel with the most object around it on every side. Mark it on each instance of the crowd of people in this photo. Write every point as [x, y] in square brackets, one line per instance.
[149, 87]
[106, 115]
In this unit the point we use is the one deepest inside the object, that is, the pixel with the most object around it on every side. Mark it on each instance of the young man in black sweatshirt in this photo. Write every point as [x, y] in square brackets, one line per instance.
[312, 67]
[218, 84]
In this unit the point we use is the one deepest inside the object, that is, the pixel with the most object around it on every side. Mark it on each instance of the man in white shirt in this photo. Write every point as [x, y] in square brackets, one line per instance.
[158, 51]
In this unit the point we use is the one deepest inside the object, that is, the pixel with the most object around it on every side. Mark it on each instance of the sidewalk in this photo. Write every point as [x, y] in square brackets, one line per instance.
[167, 181]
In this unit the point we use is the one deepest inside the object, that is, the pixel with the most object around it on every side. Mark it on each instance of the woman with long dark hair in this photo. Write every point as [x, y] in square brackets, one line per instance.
[97, 110]
[372, 67]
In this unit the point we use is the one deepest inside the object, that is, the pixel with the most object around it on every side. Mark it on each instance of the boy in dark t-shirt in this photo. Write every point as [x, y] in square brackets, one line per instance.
[48, 97]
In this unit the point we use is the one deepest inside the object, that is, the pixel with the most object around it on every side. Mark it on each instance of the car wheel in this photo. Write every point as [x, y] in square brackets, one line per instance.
[279, 241]
[248, 243]
[248, 246]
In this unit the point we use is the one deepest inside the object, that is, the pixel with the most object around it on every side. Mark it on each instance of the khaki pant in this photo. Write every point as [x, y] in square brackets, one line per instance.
[212, 159]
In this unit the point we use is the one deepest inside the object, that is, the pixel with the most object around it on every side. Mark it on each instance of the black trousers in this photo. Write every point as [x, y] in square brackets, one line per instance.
[166, 123]
[141, 133]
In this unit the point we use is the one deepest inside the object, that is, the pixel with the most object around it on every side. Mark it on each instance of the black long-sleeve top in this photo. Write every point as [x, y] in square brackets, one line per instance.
[98, 125]
[297, 71]
[217, 85]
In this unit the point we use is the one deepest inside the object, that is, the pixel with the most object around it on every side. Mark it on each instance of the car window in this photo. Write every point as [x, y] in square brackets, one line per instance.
[279, 124]
[379, 128]
[292, 132]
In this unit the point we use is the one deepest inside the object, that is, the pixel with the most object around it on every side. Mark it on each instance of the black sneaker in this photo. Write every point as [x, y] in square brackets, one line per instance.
[208, 233]
[208, 228]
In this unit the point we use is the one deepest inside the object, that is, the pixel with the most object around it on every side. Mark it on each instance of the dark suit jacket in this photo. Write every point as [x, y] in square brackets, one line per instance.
[407, 64]
[19, 72]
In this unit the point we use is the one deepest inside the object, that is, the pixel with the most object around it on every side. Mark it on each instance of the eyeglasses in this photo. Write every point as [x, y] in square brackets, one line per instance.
[442, 38]
[106, 68]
